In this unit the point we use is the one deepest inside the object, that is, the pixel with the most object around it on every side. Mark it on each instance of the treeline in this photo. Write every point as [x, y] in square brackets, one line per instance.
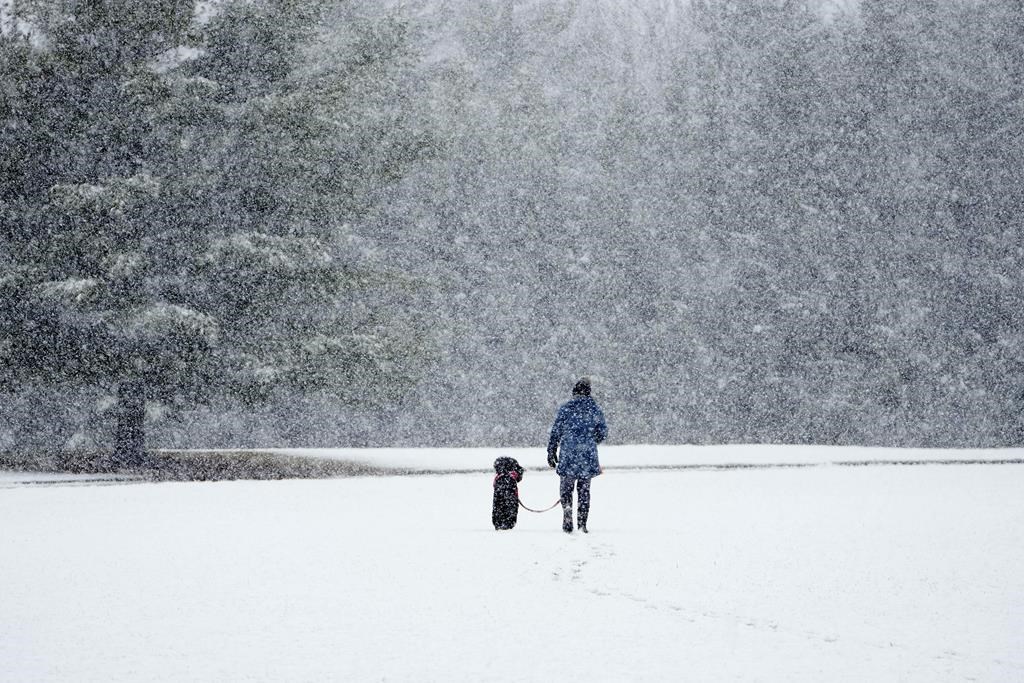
[748, 221]
[751, 221]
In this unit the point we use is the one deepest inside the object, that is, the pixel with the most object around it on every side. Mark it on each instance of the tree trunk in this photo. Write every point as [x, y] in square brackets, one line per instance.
[130, 436]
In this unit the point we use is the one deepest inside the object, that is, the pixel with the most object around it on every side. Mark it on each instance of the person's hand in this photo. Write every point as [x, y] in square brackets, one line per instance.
[552, 460]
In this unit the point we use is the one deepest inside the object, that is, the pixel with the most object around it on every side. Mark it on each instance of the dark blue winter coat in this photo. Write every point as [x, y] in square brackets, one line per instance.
[579, 427]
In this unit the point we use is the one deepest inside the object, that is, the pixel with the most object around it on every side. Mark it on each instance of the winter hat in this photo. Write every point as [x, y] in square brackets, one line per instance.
[582, 387]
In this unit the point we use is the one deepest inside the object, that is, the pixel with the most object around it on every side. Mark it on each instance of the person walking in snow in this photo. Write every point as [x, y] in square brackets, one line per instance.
[572, 451]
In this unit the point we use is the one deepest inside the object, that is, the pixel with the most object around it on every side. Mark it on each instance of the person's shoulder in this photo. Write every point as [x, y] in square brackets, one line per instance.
[570, 407]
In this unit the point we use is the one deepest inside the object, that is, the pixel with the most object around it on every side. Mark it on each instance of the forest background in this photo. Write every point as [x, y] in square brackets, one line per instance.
[278, 223]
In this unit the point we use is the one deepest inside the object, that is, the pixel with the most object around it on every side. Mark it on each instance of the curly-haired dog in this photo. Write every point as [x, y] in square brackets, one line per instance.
[505, 510]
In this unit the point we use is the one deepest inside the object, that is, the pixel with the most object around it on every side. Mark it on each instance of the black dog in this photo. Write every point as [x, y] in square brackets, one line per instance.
[505, 510]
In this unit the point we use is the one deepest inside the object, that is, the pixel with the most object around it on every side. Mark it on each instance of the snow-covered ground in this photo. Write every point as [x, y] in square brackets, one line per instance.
[909, 573]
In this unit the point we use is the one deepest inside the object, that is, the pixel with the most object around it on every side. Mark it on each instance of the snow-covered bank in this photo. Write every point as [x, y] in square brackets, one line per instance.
[796, 574]
[323, 463]
[12, 478]
[647, 456]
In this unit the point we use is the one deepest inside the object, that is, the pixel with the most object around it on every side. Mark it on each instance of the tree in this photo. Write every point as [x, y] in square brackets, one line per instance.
[175, 228]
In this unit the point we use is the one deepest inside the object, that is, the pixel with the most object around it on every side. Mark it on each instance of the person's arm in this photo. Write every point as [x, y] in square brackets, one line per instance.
[600, 427]
[554, 439]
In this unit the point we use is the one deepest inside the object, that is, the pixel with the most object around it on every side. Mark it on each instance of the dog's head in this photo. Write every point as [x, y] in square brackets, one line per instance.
[504, 465]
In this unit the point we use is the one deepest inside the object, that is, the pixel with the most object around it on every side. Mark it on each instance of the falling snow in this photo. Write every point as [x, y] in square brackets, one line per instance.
[282, 239]
[766, 222]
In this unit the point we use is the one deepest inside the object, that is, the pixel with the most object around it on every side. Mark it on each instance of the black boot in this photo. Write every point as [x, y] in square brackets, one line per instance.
[567, 520]
[581, 523]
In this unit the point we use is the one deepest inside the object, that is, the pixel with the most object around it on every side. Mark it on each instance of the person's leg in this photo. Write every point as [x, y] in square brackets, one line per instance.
[565, 495]
[583, 500]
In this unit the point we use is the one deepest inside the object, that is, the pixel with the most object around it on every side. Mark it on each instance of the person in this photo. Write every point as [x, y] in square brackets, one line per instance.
[572, 451]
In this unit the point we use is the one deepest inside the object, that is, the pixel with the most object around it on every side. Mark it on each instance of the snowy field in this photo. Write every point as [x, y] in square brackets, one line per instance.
[827, 573]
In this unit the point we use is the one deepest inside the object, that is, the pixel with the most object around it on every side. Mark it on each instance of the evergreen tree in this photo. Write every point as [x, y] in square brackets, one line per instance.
[177, 205]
